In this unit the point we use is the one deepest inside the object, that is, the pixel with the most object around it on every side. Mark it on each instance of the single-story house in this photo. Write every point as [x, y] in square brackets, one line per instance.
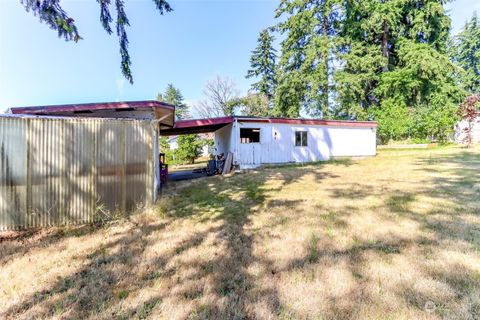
[256, 141]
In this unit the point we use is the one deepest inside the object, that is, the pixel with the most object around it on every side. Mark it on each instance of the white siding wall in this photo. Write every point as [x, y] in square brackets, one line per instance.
[460, 134]
[277, 143]
[223, 138]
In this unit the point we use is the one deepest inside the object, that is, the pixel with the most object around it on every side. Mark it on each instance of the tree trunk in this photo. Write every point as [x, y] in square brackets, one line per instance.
[385, 50]
[326, 87]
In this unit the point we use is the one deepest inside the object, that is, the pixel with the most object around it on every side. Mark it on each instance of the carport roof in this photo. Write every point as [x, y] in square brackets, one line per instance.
[128, 109]
[213, 124]
[197, 126]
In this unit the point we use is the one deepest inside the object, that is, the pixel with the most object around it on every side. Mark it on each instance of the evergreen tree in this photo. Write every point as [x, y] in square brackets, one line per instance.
[394, 56]
[305, 67]
[369, 31]
[357, 79]
[53, 14]
[164, 145]
[373, 34]
[466, 53]
[189, 144]
[290, 94]
[188, 148]
[262, 65]
[173, 96]
[371, 59]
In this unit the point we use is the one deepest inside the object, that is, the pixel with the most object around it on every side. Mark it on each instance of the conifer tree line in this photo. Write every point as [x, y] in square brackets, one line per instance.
[393, 61]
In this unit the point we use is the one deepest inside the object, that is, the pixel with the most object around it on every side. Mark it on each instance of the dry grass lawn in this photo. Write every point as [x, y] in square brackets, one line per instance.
[391, 237]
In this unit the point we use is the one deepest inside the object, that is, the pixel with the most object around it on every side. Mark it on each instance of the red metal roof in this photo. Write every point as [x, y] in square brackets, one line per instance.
[316, 122]
[213, 124]
[91, 106]
[203, 122]
[197, 126]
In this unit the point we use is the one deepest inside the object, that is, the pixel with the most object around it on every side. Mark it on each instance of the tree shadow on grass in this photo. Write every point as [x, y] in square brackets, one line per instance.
[458, 283]
[456, 187]
[221, 285]
[229, 280]
[112, 273]
[453, 221]
[22, 242]
[90, 290]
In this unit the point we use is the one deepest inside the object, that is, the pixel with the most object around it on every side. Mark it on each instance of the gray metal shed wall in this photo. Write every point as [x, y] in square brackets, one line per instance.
[72, 171]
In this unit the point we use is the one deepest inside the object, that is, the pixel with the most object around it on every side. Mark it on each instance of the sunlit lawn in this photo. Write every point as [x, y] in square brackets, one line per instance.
[199, 164]
[391, 237]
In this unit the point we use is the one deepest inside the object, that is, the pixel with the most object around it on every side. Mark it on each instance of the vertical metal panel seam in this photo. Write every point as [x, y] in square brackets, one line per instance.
[92, 217]
[28, 181]
[124, 167]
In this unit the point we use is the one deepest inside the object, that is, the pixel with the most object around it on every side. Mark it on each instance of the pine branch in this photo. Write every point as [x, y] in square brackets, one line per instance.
[105, 17]
[162, 6]
[122, 21]
[52, 13]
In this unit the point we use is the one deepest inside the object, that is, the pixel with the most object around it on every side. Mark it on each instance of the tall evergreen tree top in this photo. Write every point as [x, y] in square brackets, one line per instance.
[262, 64]
[309, 28]
[173, 96]
[466, 52]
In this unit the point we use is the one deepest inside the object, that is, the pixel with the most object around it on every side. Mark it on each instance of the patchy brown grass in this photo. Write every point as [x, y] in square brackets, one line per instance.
[391, 237]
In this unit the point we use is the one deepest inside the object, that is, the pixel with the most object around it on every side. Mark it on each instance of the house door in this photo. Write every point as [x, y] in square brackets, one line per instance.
[250, 153]
[250, 147]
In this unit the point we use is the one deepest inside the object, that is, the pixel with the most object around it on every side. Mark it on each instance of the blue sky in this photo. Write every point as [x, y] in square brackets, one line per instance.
[186, 47]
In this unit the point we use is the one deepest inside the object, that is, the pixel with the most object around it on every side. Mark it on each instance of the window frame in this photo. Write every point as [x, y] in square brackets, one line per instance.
[303, 138]
[252, 130]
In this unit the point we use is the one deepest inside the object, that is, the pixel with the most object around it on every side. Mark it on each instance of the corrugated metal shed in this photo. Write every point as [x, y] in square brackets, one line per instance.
[58, 171]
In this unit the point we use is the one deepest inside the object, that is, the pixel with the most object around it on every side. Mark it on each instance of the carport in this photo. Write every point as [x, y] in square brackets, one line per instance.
[194, 126]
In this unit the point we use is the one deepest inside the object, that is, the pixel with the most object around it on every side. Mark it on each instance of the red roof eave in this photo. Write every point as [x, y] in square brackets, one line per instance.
[92, 106]
[317, 122]
[181, 124]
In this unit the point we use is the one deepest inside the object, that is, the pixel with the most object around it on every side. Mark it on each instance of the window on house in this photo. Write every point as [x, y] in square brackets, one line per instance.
[300, 138]
[248, 135]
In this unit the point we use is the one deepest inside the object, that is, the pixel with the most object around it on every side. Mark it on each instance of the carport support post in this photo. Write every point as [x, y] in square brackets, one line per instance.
[236, 142]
